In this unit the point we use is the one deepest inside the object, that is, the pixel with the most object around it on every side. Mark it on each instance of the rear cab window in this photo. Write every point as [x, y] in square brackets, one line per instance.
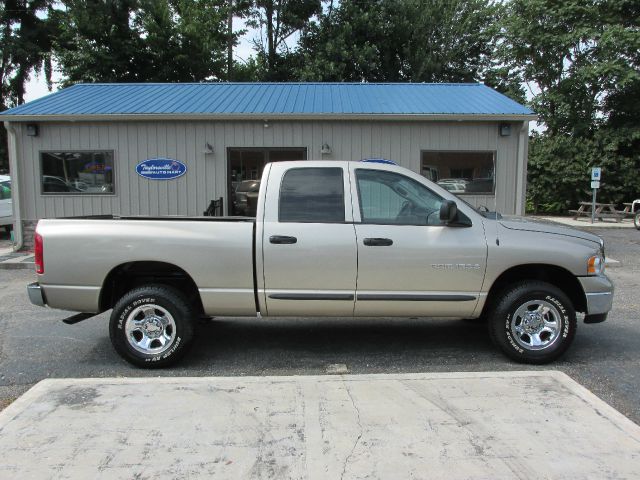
[312, 195]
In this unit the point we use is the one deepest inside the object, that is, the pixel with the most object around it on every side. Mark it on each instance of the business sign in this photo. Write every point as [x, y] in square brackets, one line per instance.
[596, 173]
[161, 168]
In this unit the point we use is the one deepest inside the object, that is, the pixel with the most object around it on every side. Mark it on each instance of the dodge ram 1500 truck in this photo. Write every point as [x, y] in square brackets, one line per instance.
[330, 238]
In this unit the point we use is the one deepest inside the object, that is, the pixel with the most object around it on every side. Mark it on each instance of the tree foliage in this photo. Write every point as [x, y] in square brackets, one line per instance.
[26, 35]
[573, 55]
[278, 21]
[142, 40]
[581, 61]
[410, 40]
[25, 43]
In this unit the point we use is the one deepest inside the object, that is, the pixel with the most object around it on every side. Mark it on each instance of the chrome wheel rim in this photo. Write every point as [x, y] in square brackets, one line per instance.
[150, 329]
[536, 325]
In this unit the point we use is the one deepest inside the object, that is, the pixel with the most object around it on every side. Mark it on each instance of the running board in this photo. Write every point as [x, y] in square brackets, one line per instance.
[78, 318]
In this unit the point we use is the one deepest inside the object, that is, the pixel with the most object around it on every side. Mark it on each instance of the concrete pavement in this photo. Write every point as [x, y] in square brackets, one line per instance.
[525, 425]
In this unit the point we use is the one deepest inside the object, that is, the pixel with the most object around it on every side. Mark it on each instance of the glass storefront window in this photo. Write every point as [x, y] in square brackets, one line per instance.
[461, 172]
[245, 166]
[77, 172]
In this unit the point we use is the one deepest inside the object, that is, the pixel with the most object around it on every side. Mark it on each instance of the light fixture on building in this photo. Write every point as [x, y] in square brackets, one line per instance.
[325, 149]
[32, 130]
[505, 129]
[266, 123]
[208, 148]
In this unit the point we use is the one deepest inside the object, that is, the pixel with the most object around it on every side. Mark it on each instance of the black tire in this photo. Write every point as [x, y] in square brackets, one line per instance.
[636, 220]
[152, 326]
[521, 327]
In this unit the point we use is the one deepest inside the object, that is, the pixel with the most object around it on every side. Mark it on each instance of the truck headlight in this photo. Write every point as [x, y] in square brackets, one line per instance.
[595, 265]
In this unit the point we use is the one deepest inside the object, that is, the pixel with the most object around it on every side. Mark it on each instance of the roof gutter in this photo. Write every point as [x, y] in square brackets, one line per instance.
[274, 117]
[15, 186]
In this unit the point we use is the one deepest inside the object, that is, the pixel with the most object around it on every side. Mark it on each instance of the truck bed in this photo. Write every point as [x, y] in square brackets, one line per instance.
[217, 253]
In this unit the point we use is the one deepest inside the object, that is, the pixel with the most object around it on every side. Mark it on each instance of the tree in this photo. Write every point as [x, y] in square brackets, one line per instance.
[278, 21]
[573, 55]
[581, 62]
[99, 43]
[25, 49]
[25, 39]
[409, 40]
[184, 40]
[143, 40]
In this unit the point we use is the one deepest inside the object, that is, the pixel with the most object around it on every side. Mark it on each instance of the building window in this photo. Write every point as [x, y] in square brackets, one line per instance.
[461, 172]
[77, 173]
[245, 166]
[312, 195]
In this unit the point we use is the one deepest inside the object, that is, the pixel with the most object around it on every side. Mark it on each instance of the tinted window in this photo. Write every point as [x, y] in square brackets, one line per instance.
[312, 195]
[391, 198]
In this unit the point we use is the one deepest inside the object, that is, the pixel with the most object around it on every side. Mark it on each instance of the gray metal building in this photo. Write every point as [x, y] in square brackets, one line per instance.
[82, 150]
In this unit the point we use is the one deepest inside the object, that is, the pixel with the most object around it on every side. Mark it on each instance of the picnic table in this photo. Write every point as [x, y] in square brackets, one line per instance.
[603, 210]
[628, 210]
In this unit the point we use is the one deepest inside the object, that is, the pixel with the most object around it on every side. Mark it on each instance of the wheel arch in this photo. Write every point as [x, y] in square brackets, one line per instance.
[127, 276]
[553, 274]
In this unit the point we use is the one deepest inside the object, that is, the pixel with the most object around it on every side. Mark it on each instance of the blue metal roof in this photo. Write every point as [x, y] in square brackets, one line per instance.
[273, 99]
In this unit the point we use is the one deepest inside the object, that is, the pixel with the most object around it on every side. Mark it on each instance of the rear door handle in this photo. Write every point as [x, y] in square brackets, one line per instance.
[282, 239]
[378, 242]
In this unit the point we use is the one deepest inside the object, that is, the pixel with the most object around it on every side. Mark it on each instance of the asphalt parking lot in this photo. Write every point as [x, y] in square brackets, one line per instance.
[35, 344]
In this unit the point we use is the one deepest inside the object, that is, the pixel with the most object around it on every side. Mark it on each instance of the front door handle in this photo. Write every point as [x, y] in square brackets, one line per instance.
[282, 239]
[378, 242]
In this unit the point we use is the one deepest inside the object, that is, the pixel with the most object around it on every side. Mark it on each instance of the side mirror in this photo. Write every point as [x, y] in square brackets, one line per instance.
[448, 211]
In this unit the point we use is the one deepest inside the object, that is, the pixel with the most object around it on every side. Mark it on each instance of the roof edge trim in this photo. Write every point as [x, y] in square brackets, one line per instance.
[272, 117]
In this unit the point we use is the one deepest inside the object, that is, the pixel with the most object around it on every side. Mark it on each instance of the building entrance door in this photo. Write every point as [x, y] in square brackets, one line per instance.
[244, 169]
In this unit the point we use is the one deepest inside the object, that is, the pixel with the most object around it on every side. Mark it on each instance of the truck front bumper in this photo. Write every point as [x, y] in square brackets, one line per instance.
[598, 291]
[36, 295]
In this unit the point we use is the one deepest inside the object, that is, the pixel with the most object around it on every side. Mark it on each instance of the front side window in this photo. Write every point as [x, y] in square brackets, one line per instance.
[393, 199]
[79, 172]
[461, 172]
[312, 195]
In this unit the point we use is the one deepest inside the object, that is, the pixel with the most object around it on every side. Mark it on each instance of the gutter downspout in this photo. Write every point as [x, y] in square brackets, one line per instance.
[521, 170]
[15, 186]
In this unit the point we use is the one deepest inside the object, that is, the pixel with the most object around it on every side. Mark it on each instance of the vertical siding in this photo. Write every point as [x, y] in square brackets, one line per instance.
[206, 177]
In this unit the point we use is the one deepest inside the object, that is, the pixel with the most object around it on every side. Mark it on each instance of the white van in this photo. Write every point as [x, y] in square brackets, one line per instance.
[6, 209]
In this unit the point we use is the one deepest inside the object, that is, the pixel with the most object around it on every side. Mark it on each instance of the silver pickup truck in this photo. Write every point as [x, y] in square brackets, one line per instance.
[331, 239]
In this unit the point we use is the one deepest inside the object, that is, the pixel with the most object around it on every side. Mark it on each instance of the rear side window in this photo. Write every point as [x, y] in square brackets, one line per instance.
[312, 195]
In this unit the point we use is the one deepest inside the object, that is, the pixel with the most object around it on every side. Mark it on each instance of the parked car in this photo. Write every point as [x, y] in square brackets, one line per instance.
[454, 185]
[346, 239]
[245, 198]
[6, 208]
[51, 184]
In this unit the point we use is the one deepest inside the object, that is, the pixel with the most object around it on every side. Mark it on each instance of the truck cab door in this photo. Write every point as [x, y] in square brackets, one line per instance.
[308, 246]
[409, 262]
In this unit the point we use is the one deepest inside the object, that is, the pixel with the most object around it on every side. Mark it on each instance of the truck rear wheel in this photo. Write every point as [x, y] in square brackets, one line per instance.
[533, 322]
[152, 326]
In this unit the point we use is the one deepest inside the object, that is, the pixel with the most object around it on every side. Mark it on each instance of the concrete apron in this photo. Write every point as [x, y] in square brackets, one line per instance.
[450, 426]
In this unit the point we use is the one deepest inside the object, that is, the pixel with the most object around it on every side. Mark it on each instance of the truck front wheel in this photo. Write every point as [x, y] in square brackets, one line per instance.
[152, 326]
[533, 322]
